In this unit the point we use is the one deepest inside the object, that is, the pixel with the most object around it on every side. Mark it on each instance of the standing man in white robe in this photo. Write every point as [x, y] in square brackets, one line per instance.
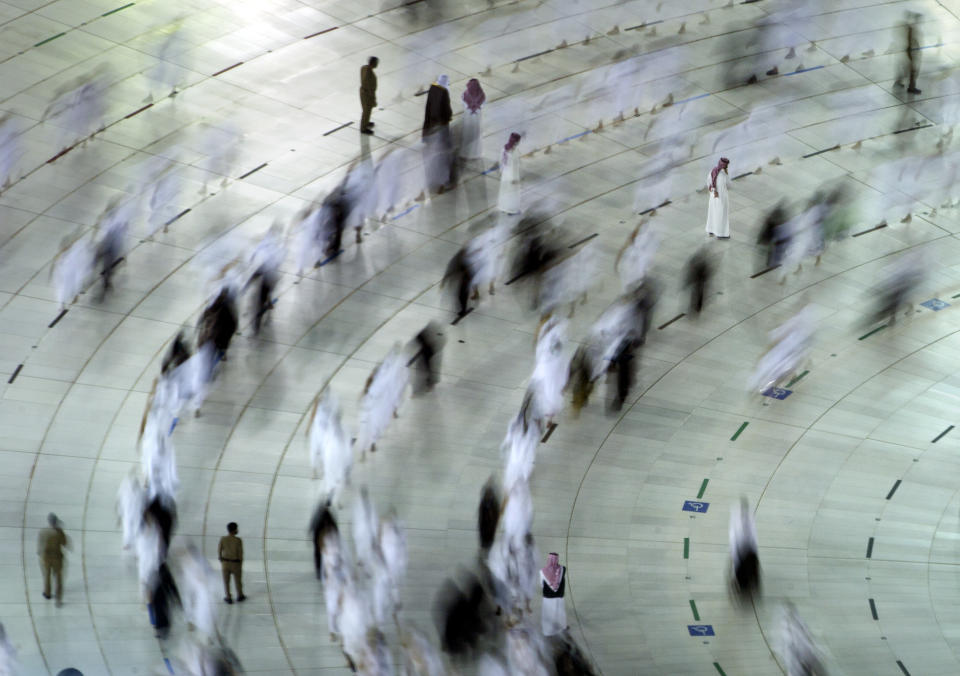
[718, 210]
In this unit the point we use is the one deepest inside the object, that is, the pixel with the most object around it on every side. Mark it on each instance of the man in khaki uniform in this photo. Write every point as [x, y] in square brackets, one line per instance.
[230, 553]
[50, 544]
[368, 94]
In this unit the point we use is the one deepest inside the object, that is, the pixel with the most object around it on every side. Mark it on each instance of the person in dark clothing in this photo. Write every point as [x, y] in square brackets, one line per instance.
[459, 276]
[463, 617]
[163, 511]
[368, 94]
[580, 379]
[428, 343]
[624, 363]
[162, 598]
[771, 233]
[266, 282]
[910, 67]
[643, 299]
[322, 523]
[219, 322]
[335, 208]
[488, 513]
[179, 352]
[697, 278]
[438, 144]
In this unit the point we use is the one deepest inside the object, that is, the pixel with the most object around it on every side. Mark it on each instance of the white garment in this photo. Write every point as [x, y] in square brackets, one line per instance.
[71, 271]
[553, 614]
[393, 547]
[485, 254]
[520, 448]
[365, 538]
[568, 280]
[131, 501]
[791, 345]
[382, 398]
[637, 257]
[509, 201]
[796, 645]
[149, 557]
[158, 455]
[718, 209]
[420, 658]
[8, 658]
[471, 138]
[354, 623]
[335, 577]
[330, 450]
[163, 199]
[309, 240]
[199, 593]
[523, 654]
[195, 376]
[551, 370]
[9, 149]
[488, 665]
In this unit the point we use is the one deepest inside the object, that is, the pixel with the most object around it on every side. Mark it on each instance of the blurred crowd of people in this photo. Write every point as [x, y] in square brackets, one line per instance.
[484, 616]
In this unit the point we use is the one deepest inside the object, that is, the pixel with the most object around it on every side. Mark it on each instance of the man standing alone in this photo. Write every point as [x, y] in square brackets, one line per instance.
[368, 94]
[50, 546]
[230, 553]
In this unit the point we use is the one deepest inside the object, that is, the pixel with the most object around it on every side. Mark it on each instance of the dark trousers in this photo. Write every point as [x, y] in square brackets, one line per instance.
[365, 116]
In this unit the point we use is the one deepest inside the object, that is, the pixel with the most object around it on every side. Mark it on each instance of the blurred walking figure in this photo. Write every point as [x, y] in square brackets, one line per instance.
[797, 649]
[472, 128]
[698, 274]
[322, 524]
[550, 372]
[485, 256]
[458, 278]
[789, 348]
[265, 261]
[368, 94]
[438, 145]
[909, 66]
[509, 201]
[131, 502]
[220, 145]
[10, 150]
[113, 226]
[199, 585]
[553, 614]
[488, 514]
[78, 108]
[718, 208]
[8, 655]
[900, 280]
[218, 322]
[230, 555]
[636, 256]
[71, 269]
[164, 189]
[744, 552]
[381, 399]
[50, 545]
[428, 343]
[165, 76]
[164, 595]
[330, 449]
[771, 233]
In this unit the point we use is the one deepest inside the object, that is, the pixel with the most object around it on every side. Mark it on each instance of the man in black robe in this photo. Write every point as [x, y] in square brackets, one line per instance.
[323, 522]
[438, 153]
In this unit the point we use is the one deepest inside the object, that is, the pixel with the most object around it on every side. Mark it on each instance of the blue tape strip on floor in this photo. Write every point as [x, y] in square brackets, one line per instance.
[570, 138]
[803, 70]
[405, 212]
[166, 660]
[692, 98]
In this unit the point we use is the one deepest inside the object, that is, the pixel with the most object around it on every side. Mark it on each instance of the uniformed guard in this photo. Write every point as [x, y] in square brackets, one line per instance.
[230, 553]
[50, 546]
[368, 94]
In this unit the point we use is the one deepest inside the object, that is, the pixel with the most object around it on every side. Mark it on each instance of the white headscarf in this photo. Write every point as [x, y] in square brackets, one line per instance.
[443, 81]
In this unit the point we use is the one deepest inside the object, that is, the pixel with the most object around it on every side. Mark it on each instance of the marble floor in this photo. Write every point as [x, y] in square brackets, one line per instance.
[624, 105]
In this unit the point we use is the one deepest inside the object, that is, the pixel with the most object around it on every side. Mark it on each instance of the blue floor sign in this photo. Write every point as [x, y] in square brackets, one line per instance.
[777, 392]
[695, 506]
[935, 304]
[700, 629]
